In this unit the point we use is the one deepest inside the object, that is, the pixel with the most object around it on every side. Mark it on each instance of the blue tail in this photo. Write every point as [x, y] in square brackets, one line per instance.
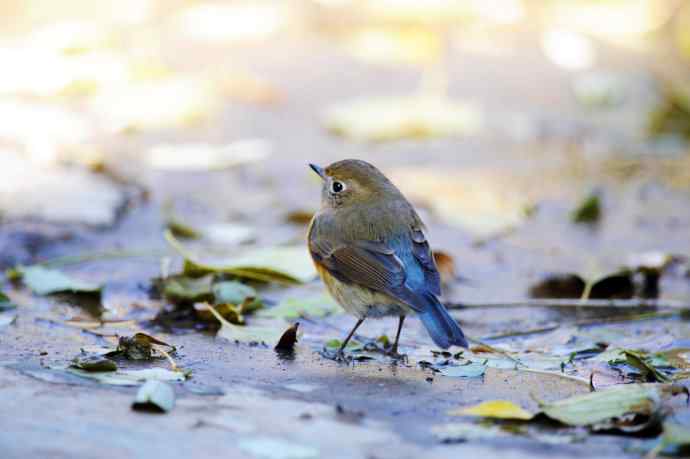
[442, 328]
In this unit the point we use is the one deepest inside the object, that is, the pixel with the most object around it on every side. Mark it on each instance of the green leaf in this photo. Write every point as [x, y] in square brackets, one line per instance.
[45, 281]
[286, 265]
[232, 292]
[588, 211]
[471, 370]
[247, 334]
[93, 363]
[183, 289]
[293, 308]
[606, 406]
[5, 303]
[154, 396]
[643, 363]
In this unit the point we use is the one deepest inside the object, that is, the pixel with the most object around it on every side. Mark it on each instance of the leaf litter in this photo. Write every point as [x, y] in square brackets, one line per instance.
[154, 396]
[284, 265]
[47, 281]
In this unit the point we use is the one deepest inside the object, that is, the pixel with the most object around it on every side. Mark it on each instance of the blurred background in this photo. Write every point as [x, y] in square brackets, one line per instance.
[495, 116]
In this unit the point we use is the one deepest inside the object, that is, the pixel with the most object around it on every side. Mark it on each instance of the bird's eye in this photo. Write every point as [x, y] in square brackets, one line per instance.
[337, 187]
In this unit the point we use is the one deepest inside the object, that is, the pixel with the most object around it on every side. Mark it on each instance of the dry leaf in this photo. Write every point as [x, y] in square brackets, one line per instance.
[496, 409]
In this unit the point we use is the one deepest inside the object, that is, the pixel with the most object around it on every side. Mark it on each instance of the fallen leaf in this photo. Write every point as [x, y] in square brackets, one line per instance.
[483, 202]
[93, 362]
[293, 308]
[598, 285]
[496, 409]
[247, 334]
[386, 119]
[227, 234]
[672, 116]
[131, 377]
[46, 281]
[180, 229]
[558, 285]
[207, 157]
[288, 339]
[643, 363]
[299, 217]
[286, 265]
[55, 193]
[229, 312]
[232, 292]
[154, 396]
[629, 407]
[406, 45]
[5, 303]
[157, 104]
[588, 211]
[470, 370]
[184, 289]
[140, 346]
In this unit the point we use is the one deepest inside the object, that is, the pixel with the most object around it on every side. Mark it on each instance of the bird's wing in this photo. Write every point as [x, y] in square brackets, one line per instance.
[422, 252]
[369, 264]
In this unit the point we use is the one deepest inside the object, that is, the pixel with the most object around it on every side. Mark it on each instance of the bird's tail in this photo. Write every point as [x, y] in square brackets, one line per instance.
[442, 328]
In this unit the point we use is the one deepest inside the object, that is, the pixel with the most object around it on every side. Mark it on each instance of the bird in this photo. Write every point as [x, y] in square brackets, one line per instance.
[369, 247]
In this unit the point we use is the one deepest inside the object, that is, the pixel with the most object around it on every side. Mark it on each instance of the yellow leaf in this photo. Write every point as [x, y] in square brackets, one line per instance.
[497, 409]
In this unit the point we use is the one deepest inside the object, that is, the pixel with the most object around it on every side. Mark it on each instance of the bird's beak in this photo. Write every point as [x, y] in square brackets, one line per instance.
[319, 170]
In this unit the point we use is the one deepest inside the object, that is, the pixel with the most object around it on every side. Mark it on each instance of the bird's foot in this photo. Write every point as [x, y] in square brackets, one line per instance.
[393, 353]
[337, 356]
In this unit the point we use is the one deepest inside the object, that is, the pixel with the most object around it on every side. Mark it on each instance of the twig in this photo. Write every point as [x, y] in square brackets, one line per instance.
[497, 351]
[557, 373]
[586, 323]
[574, 303]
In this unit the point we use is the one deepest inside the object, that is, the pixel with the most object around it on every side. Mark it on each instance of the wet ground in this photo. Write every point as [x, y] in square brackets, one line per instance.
[538, 145]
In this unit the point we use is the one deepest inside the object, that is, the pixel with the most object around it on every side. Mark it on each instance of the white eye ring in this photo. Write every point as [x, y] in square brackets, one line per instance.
[338, 187]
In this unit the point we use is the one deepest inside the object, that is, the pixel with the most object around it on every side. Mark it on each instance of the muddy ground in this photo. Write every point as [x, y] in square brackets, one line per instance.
[536, 141]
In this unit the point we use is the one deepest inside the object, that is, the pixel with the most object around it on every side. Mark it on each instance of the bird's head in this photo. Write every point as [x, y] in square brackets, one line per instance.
[352, 181]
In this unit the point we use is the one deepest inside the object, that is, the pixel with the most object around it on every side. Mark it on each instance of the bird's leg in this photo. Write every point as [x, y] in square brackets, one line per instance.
[394, 349]
[341, 354]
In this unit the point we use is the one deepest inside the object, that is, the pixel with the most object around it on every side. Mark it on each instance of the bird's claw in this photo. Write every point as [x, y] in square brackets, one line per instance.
[393, 353]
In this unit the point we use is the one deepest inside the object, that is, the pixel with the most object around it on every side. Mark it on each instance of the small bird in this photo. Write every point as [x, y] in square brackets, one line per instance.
[369, 247]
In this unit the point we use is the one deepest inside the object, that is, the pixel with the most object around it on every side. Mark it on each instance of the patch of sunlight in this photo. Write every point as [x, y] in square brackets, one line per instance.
[202, 156]
[445, 11]
[55, 194]
[44, 72]
[567, 49]
[41, 129]
[70, 37]
[161, 103]
[617, 20]
[409, 45]
[479, 201]
[216, 22]
[393, 118]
